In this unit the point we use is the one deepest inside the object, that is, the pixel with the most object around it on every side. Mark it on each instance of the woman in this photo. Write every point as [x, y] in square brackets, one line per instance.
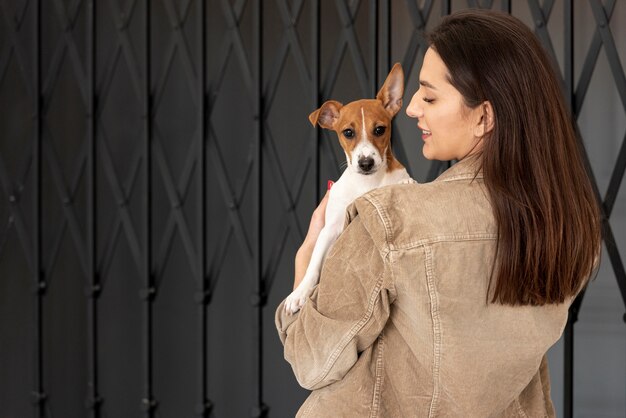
[441, 299]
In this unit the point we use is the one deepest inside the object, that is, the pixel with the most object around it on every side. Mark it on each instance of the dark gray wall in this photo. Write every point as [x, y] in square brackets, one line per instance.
[157, 174]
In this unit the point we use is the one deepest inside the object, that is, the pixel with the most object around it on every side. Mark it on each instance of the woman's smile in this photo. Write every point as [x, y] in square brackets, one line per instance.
[439, 105]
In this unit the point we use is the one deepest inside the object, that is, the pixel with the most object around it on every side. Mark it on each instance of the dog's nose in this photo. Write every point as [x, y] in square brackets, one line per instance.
[366, 164]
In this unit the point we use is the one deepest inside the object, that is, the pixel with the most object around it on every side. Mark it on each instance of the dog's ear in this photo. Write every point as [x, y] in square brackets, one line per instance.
[391, 92]
[326, 115]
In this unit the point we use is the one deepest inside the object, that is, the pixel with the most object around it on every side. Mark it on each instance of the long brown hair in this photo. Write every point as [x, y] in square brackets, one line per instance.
[544, 205]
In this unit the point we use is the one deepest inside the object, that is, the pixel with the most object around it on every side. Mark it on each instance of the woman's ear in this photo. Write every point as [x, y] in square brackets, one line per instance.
[486, 120]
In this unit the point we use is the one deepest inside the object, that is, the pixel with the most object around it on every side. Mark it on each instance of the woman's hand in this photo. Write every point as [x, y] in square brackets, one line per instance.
[303, 256]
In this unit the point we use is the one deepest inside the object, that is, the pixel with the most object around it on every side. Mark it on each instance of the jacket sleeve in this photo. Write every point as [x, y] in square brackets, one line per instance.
[347, 310]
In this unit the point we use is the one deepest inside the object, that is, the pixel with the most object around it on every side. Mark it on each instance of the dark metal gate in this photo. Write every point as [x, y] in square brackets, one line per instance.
[157, 172]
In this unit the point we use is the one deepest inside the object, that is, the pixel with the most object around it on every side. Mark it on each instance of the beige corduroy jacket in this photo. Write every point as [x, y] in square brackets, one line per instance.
[399, 325]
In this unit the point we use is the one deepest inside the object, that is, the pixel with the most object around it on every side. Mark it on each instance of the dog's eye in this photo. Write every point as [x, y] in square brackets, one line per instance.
[348, 133]
[379, 130]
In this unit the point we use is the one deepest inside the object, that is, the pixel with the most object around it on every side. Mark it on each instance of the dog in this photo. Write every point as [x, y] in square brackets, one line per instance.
[364, 131]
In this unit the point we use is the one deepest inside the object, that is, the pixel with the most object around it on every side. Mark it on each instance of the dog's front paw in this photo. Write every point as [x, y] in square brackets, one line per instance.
[408, 181]
[297, 299]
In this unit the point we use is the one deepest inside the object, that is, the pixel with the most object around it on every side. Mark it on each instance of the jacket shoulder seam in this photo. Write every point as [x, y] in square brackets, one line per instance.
[464, 176]
[384, 217]
[479, 236]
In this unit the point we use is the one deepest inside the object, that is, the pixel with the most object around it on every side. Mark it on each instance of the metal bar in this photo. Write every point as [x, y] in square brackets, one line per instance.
[373, 46]
[589, 65]
[259, 410]
[541, 15]
[316, 92]
[568, 62]
[204, 407]
[93, 401]
[616, 179]
[568, 348]
[445, 7]
[575, 307]
[610, 49]
[505, 6]
[147, 404]
[39, 396]
[385, 17]
[348, 17]
[615, 258]
[568, 366]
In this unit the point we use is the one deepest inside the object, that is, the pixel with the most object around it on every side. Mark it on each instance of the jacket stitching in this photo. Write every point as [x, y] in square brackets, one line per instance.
[392, 281]
[434, 310]
[380, 376]
[465, 176]
[343, 343]
[520, 410]
[305, 413]
[443, 238]
[384, 216]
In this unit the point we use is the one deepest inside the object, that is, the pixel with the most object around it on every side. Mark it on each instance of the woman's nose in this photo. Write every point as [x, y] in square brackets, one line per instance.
[413, 110]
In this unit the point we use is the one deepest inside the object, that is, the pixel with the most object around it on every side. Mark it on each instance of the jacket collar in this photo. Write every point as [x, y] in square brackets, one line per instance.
[467, 168]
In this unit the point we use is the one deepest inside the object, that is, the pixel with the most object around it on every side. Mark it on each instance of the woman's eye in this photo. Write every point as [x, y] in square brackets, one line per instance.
[379, 130]
[428, 100]
[348, 133]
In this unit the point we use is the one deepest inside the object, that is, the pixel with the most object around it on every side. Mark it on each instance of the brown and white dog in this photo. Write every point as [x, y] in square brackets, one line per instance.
[364, 131]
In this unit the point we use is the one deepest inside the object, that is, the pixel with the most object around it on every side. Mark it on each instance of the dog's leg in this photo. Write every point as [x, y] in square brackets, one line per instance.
[298, 297]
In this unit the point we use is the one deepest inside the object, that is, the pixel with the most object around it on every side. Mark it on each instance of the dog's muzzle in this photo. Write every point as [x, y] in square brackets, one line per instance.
[366, 164]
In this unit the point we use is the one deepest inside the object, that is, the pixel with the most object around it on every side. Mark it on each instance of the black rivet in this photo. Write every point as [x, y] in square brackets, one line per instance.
[67, 201]
[233, 206]
[539, 23]
[148, 294]
[259, 411]
[258, 299]
[176, 204]
[93, 403]
[39, 398]
[122, 203]
[204, 408]
[148, 405]
[203, 297]
[93, 291]
[13, 199]
[41, 287]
